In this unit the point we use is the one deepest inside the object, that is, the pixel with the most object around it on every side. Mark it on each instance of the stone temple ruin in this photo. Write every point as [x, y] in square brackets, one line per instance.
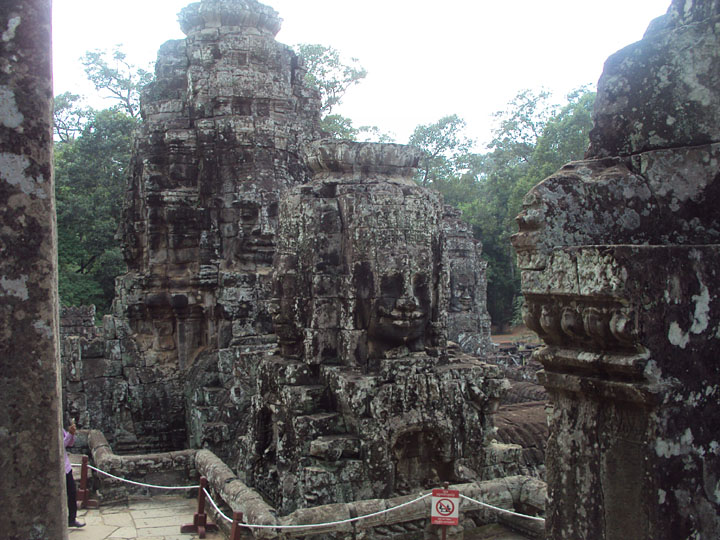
[361, 399]
[277, 287]
[237, 209]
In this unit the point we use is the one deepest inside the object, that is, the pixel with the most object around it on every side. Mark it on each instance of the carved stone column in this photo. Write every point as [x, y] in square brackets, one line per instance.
[619, 256]
[32, 486]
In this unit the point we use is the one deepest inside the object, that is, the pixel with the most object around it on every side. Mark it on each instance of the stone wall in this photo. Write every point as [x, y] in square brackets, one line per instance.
[619, 256]
[515, 493]
[33, 478]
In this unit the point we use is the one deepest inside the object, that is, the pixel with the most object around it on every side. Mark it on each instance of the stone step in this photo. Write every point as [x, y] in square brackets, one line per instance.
[322, 483]
[215, 432]
[335, 447]
[205, 413]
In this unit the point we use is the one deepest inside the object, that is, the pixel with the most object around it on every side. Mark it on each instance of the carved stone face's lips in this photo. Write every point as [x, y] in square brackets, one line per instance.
[464, 302]
[403, 320]
[400, 315]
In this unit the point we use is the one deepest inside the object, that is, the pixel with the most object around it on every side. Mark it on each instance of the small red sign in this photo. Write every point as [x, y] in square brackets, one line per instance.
[445, 507]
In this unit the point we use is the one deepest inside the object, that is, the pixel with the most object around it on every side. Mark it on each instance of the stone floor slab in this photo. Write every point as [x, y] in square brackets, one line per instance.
[125, 532]
[123, 519]
[92, 532]
[158, 531]
[164, 521]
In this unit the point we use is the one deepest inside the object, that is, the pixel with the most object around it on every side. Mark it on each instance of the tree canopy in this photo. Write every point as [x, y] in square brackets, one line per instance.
[89, 188]
[92, 152]
[333, 77]
[532, 139]
[116, 78]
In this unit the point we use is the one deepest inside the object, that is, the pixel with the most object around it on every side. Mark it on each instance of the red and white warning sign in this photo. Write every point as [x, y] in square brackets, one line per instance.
[445, 507]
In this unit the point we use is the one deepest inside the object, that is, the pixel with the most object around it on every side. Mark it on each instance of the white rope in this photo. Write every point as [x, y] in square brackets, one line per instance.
[316, 525]
[216, 506]
[498, 509]
[310, 525]
[140, 483]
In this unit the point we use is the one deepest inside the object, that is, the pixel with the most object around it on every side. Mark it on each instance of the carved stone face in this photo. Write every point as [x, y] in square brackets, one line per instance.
[462, 291]
[364, 256]
[402, 266]
[403, 309]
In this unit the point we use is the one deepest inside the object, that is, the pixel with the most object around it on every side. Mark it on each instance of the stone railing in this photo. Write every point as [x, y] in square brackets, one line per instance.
[515, 493]
[161, 469]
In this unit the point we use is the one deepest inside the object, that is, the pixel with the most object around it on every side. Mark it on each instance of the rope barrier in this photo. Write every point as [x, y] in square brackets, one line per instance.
[503, 510]
[316, 525]
[215, 506]
[310, 525]
[140, 483]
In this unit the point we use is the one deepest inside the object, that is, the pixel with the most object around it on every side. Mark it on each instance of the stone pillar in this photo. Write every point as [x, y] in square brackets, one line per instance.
[32, 488]
[619, 256]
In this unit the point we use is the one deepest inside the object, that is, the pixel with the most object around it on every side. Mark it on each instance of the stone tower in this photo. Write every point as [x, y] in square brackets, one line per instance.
[362, 400]
[468, 318]
[619, 256]
[224, 122]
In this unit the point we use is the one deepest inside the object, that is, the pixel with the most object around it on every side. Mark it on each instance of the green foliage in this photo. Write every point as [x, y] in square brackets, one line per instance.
[445, 149]
[532, 140]
[68, 118]
[329, 74]
[89, 187]
[120, 80]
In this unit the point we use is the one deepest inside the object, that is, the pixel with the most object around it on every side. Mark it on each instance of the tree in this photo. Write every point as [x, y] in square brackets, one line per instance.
[329, 74]
[444, 148]
[120, 80]
[521, 125]
[90, 183]
[68, 118]
[533, 138]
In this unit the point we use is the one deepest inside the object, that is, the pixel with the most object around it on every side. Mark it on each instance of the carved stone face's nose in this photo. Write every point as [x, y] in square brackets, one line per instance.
[406, 303]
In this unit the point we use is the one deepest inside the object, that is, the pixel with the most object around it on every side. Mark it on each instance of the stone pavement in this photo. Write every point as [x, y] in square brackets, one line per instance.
[158, 518]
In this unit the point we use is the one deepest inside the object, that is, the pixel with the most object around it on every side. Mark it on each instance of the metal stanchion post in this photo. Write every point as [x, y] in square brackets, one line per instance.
[83, 493]
[200, 523]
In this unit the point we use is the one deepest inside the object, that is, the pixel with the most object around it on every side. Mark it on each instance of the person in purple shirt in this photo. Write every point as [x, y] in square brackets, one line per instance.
[69, 440]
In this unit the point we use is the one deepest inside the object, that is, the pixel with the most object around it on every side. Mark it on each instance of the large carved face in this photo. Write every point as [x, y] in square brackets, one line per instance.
[357, 271]
[396, 283]
[462, 290]
[403, 303]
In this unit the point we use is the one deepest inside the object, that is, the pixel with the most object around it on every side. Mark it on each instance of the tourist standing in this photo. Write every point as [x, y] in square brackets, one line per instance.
[69, 440]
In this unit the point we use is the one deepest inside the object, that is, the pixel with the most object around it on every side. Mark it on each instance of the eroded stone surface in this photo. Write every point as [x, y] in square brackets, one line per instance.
[619, 258]
[363, 399]
[297, 329]
[661, 92]
[468, 319]
[33, 484]
[224, 122]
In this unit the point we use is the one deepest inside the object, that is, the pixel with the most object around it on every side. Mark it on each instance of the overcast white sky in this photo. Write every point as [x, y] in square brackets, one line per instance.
[424, 59]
